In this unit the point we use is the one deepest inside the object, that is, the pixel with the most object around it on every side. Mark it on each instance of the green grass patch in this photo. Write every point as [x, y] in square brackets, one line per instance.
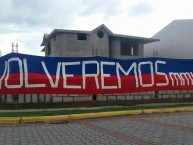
[80, 111]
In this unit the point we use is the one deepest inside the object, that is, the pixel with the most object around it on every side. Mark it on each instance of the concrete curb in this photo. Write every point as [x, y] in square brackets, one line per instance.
[10, 120]
[66, 118]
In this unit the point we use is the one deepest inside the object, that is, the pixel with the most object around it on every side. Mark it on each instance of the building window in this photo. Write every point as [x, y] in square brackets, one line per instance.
[49, 48]
[100, 34]
[81, 36]
[128, 49]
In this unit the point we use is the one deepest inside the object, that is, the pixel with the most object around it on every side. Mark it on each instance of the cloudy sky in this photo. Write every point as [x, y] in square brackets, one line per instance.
[25, 21]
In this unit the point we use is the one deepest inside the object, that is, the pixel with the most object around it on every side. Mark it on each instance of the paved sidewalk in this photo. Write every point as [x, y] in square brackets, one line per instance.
[157, 129]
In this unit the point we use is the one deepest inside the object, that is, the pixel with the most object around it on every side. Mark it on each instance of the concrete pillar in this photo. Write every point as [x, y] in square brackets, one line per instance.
[21, 98]
[115, 48]
[140, 50]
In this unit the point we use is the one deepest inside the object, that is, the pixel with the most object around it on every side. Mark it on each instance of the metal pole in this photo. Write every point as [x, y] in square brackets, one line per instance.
[12, 48]
[16, 47]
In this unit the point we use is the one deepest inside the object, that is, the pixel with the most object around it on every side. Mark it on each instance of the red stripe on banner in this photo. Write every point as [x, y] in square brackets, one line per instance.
[40, 84]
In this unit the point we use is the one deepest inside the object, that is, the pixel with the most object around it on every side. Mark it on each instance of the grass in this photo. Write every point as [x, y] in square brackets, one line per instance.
[80, 111]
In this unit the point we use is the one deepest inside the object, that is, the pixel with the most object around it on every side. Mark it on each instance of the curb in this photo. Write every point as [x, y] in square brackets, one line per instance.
[10, 120]
[67, 118]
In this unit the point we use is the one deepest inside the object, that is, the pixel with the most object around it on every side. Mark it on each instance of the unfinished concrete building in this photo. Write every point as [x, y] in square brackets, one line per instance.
[99, 42]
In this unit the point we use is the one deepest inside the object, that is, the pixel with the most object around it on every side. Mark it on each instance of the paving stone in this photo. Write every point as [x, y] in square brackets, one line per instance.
[171, 129]
[168, 131]
[71, 133]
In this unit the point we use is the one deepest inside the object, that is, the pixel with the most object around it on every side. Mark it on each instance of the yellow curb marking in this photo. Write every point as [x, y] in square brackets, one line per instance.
[47, 119]
[10, 120]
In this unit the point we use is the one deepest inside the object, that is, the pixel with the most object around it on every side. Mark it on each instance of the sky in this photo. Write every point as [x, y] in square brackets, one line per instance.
[26, 21]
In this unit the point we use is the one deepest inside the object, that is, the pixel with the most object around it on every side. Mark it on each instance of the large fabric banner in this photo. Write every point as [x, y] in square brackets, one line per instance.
[26, 74]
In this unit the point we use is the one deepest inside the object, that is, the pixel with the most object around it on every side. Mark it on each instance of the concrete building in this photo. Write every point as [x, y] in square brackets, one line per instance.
[176, 41]
[99, 42]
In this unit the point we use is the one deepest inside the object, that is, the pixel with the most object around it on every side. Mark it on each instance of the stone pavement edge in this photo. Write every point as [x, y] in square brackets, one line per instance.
[67, 118]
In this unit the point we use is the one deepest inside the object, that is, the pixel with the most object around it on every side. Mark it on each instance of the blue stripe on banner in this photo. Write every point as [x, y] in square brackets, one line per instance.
[35, 66]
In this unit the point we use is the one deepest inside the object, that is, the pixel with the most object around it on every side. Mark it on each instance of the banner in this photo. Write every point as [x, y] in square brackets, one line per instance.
[27, 74]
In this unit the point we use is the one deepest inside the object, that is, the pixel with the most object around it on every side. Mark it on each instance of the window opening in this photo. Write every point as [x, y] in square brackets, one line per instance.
[100, 34]
[81, 36]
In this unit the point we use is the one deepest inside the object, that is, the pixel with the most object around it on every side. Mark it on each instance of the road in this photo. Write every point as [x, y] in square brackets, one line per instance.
[159, 129]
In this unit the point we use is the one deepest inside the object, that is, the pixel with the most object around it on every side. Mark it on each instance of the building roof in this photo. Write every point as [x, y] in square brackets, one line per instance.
[56, 31]
[143, 39]
[102, 26]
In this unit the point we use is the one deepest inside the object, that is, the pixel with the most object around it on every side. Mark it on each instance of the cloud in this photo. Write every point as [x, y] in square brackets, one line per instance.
[39, 13]
[141, 9]
[5, 8]
[21, 19]
[107, 8]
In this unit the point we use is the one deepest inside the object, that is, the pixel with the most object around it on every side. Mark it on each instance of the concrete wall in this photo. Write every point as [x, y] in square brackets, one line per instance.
[114, 47]
[100, 46]
[67, 45]
[46, 49]
[175, 41]
[140, 50]
[56, 98]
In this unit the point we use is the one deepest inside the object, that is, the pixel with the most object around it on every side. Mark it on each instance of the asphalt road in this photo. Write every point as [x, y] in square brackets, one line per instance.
[159, 129]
